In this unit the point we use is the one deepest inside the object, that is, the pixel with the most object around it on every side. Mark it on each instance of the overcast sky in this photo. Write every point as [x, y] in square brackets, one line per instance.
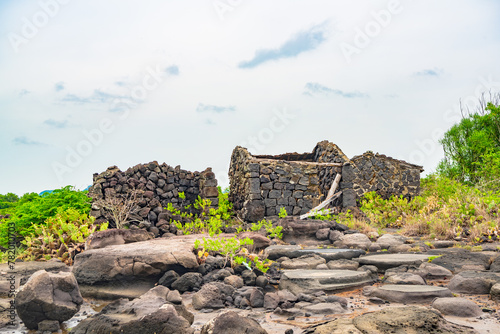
[89, 84]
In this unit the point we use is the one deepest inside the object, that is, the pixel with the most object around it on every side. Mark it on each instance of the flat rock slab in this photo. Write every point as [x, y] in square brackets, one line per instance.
[308, 281]
[329, 254]
[386, 261]
[140, 263]
[457, 260]
[409, 319]
[408, 294]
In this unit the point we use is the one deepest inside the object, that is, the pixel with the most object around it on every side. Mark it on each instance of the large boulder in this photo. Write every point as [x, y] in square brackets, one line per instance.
[400, 320]
[151, 313]
[457, 259]
[131, 270]
[212, 296]
[115, 236]
[474, 282]
[188, 282]
[24, 270]
[232, 322]
[388, 240]
[459, 307]
[48, 296]
[355, 240]
[304, 231]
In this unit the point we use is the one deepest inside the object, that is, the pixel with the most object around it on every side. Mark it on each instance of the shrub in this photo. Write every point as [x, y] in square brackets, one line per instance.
[33, 210]
[62, 236]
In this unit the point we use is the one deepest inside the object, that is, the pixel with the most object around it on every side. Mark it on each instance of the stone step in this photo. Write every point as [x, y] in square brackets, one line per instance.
[386, 261]
[407, 294]
[308, 281]
[329, 254]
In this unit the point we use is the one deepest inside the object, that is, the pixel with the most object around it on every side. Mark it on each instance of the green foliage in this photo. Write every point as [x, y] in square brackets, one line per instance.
[446, 209]
[433, 257]
[227, 247]
[33, 210]
[234, 251]
[206, 220]
[60, 237]
[8, 200]
[472, 144]
[282, 213]
[272, 231]
[388, 213]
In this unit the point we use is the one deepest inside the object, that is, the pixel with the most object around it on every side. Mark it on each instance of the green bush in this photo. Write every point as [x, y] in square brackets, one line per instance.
[472, 148]
[61, 236]
[33, 210]
[206, 219]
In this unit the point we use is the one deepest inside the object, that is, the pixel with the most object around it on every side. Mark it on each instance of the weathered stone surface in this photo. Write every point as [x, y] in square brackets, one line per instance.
[150, 313]
[431, 271]
[235, 281]
[386, 261]
[232, 322]
[356, 240]
[495, 265]
[399, 320]
[457, 259]
[307, 281]
[407, 294]
[329, 254]
[48, 296]
[343, 264]
[111, 237]
[49, 326]
[303, 230]
[325, 308]
[495, 292]
[24, 270]
[474, 282]
[388, 240]
[168, 278]
[271, 300]
[259, 241]
[212, 295]
[458, 307]
[309, 261]
[188, 282]
[139, 263]
[410, 319]
[404, 278]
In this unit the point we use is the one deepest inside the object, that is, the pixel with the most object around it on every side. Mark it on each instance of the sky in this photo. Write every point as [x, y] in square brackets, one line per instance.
[89, 84]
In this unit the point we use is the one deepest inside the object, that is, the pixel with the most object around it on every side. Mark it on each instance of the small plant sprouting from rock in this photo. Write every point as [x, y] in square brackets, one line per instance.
[272, 231]
[207, 219]
[283, 213]
[233, 250]
[121, 207]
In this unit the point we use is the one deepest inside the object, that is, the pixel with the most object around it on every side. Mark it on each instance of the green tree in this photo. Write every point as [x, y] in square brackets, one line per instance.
[472, 144]
[8, 200]
[32, 210]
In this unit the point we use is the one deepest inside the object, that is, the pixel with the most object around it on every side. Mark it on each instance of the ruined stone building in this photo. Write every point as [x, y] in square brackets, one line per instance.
[262, 184]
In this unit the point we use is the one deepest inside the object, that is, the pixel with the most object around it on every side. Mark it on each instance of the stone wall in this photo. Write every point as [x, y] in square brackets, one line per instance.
[157, 185]
[379, 173]
[261, 185]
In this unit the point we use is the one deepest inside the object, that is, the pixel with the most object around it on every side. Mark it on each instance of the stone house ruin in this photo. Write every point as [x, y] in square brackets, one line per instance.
[158, 185]
[262, 184]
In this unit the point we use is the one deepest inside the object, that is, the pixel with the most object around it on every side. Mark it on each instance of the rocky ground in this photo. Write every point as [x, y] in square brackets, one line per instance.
[326, 279]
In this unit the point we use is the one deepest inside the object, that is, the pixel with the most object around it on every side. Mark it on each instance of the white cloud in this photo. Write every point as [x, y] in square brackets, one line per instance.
[94, 52]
